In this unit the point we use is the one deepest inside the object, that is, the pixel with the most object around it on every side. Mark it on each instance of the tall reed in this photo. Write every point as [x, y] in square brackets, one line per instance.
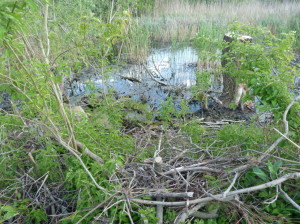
[180, 19]
[137, 45]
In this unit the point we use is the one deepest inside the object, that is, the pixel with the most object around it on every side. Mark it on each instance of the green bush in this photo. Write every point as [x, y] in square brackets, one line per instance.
[245, 136]
[194, 130]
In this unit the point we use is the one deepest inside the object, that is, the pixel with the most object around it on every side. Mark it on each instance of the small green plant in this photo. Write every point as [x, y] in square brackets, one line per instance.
[271, 199]
[167, 110]
[148, 214]
[170, 110]
[203, 84]
[244, 135]
[194, 131]
[7, 212]
[37, 216]
[272, 168]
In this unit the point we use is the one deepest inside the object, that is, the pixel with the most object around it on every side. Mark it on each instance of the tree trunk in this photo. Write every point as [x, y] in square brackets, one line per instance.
[232, 91]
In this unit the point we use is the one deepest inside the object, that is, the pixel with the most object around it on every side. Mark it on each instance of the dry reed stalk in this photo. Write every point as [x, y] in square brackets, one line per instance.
[179, 20]
[246, 11]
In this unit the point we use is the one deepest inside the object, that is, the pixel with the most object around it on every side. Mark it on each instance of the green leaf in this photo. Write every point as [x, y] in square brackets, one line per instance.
[10, 211]
[38, 215]
[277, 165]
[261, 174]
[273, 168]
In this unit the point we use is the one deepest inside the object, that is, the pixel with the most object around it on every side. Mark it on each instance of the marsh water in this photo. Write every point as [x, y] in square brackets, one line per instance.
[167, 72]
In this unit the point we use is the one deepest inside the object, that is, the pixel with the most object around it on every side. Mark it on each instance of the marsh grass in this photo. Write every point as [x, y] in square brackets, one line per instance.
[137, 45]
[179, 20]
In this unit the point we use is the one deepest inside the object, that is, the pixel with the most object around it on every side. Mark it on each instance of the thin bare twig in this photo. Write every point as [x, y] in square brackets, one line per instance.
[296, 206]
[283, 135]
[275, 197]
[153, 78]
[231, 185]
[89, 152]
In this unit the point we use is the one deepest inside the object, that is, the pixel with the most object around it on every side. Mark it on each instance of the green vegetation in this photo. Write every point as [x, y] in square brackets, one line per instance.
[113, 159]
[263, 65]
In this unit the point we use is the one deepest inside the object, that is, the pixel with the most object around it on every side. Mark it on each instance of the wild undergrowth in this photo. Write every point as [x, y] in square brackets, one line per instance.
[59, 165]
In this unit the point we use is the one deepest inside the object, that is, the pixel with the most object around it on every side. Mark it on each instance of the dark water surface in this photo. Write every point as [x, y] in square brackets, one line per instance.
[166, 73]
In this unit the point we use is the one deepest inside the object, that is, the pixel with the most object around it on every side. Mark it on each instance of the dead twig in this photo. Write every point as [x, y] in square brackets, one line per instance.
[185, 213]
[279, 132]
[163, 194]
[296, 206]
[231, 185]
[185, 169]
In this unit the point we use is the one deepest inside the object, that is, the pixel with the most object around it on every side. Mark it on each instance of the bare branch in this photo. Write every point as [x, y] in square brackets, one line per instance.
[170, 194]
[75, 153]
[89, 152]
[230, 194]
[185, 213]
[275, 197]
[296, 206]
[153, 78]
[185, 169]
[231, 185]
[283, 135]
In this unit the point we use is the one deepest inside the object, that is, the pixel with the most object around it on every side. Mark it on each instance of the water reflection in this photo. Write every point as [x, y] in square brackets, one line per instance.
[164, 72]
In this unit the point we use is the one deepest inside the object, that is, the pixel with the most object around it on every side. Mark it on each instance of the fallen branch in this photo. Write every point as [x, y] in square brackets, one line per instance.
[230, 194]
[185, 169]
[75, 153]
[132, 79]
[185, 213]
[153, 78]
[231, 185]
[158, 166]
[170, 194]
[88, 152]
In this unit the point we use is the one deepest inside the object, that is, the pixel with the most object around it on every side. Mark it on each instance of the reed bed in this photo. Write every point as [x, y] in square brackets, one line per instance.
[180, 20]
